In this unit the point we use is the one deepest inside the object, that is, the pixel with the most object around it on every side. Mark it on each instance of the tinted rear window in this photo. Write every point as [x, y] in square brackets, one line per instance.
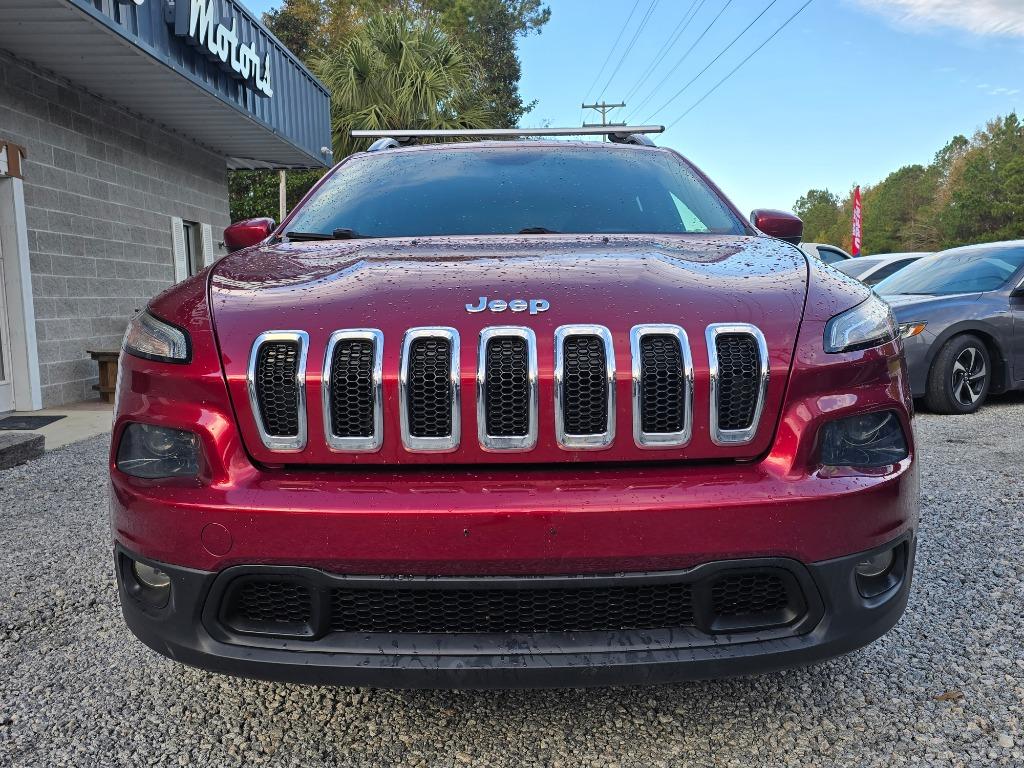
[492, 191]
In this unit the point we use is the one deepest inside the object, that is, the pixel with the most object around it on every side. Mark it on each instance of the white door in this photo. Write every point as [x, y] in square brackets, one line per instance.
[6, 373]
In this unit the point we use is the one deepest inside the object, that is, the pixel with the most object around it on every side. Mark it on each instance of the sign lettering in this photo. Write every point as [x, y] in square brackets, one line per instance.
[198, 22]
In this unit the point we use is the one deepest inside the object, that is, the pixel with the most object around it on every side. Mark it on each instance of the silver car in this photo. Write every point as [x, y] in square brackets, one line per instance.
[872, 270]
[830, 254]
[961, 313]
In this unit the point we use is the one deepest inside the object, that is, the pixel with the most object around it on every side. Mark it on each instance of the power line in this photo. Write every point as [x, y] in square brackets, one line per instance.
[612, 49]
[683, 57]
[632, 42]
[673, 36]
[694, 79]
[737, 67]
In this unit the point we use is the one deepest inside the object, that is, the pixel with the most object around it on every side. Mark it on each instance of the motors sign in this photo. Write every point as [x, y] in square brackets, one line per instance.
[198, 22]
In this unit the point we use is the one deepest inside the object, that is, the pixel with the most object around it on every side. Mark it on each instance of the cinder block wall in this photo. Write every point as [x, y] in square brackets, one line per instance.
[101, 186]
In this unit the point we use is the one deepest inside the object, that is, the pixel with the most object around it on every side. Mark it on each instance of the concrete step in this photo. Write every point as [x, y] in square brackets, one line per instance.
[18, 447]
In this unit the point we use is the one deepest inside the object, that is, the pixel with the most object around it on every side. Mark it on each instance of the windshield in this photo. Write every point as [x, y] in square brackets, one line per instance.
[973, 271]
[499, 191]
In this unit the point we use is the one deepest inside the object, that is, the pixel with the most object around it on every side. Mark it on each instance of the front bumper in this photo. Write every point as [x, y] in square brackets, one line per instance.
[917, 351]
[835, 619]
[557, 519]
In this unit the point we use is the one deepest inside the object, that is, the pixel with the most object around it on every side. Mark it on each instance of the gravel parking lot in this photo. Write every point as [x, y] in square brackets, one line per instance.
[946, 687]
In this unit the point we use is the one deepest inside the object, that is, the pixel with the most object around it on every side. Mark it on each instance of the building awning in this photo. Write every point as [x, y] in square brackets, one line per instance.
[138, 54]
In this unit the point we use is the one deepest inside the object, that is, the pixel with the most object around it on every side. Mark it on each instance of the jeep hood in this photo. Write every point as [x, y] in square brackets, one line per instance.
[618, 282]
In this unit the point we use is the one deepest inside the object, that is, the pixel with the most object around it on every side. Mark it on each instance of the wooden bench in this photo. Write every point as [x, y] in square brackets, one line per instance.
[107, 359]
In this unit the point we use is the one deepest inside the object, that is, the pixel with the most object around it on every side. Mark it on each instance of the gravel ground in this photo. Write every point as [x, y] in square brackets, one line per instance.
[946, 687]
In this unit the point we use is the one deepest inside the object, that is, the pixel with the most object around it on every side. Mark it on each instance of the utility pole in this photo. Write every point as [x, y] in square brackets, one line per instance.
[604, 108]
[282, 195]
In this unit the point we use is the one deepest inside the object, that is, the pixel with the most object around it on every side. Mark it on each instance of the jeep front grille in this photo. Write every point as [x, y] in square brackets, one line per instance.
[662, 386]
[276, 384]
[429, 388]
[584, 387]
[353, 418]
[507, 388]
[739, 380]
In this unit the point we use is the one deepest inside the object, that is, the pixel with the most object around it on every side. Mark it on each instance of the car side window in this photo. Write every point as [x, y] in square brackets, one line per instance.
[829, 256]
[884, 272]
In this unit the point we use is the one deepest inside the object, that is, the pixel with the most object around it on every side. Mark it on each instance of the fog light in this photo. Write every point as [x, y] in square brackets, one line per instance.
[878, 573]
[153, 452]
[151, 577]
[866, 440]
[147, 584]
[876, 565]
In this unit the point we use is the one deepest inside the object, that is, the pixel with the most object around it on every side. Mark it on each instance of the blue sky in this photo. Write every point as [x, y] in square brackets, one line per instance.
[846, 93]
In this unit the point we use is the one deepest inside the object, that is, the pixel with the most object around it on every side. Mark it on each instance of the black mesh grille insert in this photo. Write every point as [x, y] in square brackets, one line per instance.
[507, 390]
[352, 388]
[741, 594]
[584, 386]
[739, 379]
[277, 602]
[429, 391]
[662, 383]
[277, 391]
[734, 599]
[511, 610]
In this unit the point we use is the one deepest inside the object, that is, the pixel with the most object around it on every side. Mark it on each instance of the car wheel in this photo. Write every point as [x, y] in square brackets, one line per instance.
[960, 377]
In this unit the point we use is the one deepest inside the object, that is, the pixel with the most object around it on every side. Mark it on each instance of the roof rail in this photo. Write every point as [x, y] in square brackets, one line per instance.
[620, 134]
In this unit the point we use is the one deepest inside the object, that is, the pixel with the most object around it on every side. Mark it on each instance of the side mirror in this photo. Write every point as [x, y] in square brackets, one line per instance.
[242, 234]
[784, 226]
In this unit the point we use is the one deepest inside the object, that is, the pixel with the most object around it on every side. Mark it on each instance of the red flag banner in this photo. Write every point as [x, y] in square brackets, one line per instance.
[857, 220]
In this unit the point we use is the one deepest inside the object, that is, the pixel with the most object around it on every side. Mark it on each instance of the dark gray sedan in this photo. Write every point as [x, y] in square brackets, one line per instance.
[961, 314]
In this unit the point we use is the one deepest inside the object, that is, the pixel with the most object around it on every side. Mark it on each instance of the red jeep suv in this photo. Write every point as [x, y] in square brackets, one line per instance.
[513, 413]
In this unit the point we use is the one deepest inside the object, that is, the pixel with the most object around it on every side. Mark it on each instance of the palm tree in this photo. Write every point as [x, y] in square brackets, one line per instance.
[401, 71]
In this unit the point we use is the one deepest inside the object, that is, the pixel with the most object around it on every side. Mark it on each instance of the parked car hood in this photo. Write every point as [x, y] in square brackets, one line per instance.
[904, 305]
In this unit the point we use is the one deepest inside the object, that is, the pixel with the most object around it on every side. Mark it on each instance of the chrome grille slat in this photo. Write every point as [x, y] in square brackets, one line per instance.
[276, 384]
[507, 395]
[352, 390]
[429, 395]
[739, 370]
[583, 384]
[662, 386]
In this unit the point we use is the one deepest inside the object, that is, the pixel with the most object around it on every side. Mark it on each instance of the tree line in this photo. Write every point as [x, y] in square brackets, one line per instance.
[972, 192]
[398, 64]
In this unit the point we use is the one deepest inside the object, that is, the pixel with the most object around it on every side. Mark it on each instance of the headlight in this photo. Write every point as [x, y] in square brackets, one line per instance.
[869, 324]
[867, 440]
[151, 452]
[156, 340]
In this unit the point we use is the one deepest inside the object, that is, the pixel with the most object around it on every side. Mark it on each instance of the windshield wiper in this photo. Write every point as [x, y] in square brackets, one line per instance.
[537, 231]
[338, 234]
